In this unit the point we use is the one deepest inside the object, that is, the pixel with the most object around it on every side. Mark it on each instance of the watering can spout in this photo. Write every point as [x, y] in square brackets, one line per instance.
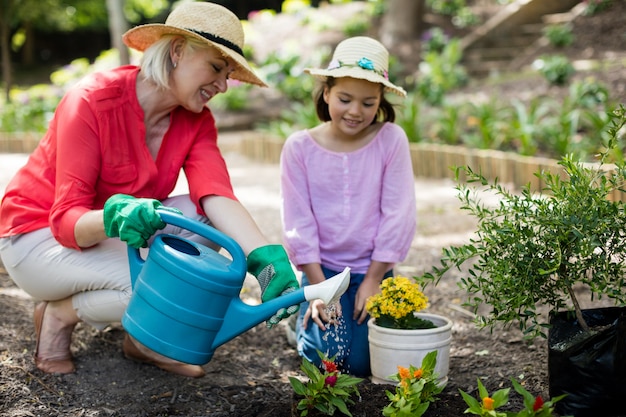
[241, 317]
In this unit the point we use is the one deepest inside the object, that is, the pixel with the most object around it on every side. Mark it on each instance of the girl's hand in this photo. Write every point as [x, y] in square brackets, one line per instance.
[367, 288]
[320, 314]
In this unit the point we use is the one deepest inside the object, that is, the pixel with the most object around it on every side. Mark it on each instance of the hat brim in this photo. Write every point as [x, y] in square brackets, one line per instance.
[141, 37]
[358, 73]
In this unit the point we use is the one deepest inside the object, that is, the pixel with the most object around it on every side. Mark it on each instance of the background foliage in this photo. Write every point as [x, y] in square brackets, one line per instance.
[542, 126]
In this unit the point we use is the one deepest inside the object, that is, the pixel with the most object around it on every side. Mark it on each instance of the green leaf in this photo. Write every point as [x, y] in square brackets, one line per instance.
[500, 397]
[421, 409]
[324, 409]
[474, 405]
[341, 406]
[529, 399]
[297, 385]
[310, 370]
[482, 391]
[430, 361]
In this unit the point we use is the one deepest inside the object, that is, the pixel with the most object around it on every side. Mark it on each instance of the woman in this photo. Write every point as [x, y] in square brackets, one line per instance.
[111, 157]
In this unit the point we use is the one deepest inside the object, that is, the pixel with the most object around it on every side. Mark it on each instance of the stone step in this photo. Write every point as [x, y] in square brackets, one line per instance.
[532, 28]
[490, 54]
[485, 68]
[493, 47]
[509, 40]
[565, 17]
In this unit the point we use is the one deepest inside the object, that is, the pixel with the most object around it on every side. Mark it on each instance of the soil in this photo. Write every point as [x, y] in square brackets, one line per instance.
[248, 376]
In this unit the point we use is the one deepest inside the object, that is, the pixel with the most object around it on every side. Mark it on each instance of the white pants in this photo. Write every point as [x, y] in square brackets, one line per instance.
[97, 278]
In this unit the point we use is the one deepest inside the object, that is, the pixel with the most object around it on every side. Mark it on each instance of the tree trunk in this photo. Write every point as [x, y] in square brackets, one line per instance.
[402, 21]
[28, 48]
[117, 26]
[5, 45]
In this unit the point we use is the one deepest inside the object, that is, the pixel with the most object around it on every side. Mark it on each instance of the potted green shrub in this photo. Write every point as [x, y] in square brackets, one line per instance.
[544, 249]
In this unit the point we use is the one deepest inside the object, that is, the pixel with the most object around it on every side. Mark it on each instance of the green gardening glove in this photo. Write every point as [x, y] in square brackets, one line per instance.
[133, 220]
[270, 265]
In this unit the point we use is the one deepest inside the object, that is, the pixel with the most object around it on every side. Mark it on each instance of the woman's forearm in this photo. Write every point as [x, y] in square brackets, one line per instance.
[89, 229]
[227, 215]
[231, 218]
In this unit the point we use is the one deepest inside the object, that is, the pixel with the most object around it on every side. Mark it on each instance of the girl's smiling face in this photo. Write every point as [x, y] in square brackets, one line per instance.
[352, 104]
[200, 74]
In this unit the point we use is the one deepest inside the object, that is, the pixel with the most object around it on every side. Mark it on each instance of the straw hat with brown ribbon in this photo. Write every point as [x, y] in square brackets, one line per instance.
[360, 57]
[207, 22]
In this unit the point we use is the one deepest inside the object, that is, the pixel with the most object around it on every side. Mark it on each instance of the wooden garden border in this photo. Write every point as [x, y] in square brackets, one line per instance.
[429, 160]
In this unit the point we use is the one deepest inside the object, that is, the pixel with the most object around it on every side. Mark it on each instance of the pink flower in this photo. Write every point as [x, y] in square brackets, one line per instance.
[334, 64]
[331, 380]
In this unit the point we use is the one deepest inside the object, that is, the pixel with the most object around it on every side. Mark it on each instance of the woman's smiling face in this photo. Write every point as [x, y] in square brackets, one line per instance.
[200, 74]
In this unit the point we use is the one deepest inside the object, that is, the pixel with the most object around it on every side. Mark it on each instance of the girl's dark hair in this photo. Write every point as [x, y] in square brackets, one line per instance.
[386, 112]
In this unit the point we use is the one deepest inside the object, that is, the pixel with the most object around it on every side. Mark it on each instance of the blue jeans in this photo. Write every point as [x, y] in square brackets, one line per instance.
[346, 342]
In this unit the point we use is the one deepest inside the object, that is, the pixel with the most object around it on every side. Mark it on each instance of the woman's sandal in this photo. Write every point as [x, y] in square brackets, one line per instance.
[60, 365]
[131, 351]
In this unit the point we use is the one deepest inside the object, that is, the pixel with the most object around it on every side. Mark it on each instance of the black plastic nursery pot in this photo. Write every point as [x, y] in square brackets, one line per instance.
[589, 368]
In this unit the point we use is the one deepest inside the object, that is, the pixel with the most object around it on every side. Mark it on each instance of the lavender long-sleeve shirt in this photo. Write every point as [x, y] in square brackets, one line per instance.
[347, 209]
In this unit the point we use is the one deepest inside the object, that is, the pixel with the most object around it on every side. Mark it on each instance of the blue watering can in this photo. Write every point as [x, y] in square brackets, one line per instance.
[186, 300]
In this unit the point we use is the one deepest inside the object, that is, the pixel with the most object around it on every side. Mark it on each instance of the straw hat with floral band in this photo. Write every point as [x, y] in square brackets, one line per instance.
[206, 22]
[360, 57]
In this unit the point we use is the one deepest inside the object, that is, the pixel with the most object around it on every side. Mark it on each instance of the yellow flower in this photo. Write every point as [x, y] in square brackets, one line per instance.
[399, 298]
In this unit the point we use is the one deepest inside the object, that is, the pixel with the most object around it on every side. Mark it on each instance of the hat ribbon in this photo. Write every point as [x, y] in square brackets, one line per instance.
[214, 38]
[364, 63]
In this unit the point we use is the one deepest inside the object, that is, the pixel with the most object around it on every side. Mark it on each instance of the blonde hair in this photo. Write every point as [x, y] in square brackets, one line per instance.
[156, 64]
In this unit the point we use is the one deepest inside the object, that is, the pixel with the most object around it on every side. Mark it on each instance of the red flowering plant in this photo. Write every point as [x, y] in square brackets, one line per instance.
[534, 406]
[489, 404]
[327, 389]
[416, 389]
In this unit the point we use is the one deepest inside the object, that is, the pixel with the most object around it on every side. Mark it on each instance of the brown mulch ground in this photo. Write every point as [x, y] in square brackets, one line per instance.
[249, 375]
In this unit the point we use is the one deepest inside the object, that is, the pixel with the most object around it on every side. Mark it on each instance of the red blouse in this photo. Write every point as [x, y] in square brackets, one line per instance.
[96, 147]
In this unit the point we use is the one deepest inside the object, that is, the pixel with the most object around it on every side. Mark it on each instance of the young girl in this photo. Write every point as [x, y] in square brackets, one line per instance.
[348, 199]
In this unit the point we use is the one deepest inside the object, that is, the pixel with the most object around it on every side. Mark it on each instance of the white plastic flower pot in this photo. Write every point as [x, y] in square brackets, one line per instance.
[390, 348]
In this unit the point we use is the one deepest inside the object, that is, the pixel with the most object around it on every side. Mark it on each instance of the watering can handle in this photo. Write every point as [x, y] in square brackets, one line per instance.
[205, 231]
[201, 229]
